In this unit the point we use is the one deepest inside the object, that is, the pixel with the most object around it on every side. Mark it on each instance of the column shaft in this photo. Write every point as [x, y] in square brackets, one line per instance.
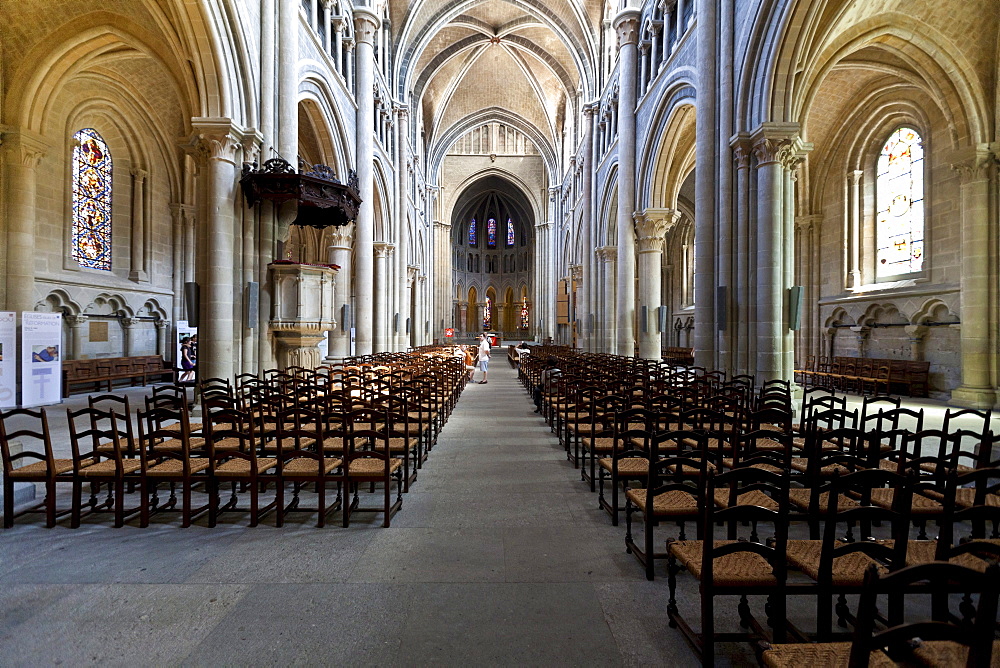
[705, 331]
[366, 23]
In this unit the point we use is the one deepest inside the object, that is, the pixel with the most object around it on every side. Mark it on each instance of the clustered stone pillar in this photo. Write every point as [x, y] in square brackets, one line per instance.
[217, 145]
[627, 26]
[978, 342]
[589, 270]
[22, 152]
[383, 291]
[366, 23]
[402, 294]
[745, 325]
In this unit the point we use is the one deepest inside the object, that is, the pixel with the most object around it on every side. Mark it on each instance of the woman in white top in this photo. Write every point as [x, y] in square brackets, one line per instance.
[484, 356]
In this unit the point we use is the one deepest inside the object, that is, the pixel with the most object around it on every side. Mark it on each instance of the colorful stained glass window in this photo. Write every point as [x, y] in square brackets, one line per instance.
[899, 205]
[524, 313]
[510, 232]
[91, 200]
[491, 232]
[488, 314]
[472, 232]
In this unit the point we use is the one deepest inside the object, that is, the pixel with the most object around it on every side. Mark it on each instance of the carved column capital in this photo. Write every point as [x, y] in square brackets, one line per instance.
[215, 139]
[651, 226]
[974, 164]
[21, 147]
[607, 253]
[366, 25]
[626, 25]
[139, 175]
[129, 323]
[75, 321]
[742, 150]
[777, 143]
[342, 237]
[806, 223]
[383, 249]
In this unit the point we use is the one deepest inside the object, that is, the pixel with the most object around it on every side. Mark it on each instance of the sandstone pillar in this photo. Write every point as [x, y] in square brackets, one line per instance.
[978, 342]
[21, 153]
[745, 325]
[76, 323]
[137, 270]
[608, 255]
[383, 290]
[130, 329]
[627, 26]
[217, 144]
[586, 205]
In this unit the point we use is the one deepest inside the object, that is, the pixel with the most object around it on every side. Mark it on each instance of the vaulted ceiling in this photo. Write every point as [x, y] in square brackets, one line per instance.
[531, 61]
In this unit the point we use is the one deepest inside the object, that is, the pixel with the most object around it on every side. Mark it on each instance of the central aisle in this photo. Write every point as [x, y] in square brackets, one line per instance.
[499, 556]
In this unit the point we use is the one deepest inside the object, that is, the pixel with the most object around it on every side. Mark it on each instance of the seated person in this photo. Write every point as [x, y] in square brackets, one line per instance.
[522, 349]
[551, 371]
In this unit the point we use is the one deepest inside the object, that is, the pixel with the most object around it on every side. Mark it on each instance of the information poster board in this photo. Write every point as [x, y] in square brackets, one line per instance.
[186, 352]
[8, 359]
[41, 358]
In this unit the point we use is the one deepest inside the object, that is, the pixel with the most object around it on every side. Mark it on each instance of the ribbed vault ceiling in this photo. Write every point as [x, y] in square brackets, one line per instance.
[530, 58]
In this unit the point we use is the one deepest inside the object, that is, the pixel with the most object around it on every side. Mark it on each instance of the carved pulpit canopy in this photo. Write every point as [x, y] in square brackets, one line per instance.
[323, 200]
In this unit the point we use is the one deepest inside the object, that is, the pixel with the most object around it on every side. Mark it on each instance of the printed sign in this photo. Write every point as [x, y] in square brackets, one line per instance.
[41, 358]
[8, 359]
[449, 333]
[186, 352]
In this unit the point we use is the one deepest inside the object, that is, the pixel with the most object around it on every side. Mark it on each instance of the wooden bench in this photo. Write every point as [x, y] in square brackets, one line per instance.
[683, 356]
[105, 371]
[846, 373]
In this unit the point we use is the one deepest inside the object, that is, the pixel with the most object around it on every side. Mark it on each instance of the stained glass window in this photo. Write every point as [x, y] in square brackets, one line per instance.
[488, 314]
[91, 200]
[524, 313]
[472, 232]
[491, 232]
[899, 205]
[510, 232]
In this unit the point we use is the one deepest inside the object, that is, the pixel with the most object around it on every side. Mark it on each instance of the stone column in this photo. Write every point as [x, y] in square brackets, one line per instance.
[130, 330]
[745, 325]
[853, 217]
[341, 240]
[727, 251]
[608, 255]
[383, 253]
[590, 186]
[805, 242]
[440, 243]
[423, 335]
[403, 238]
[288, 81]
[338, 49]
[772, 145]
[76, 323]
[978, 342]
[249, 331]
[366, 24]
[326, 26]
[137, 271]
[706, 175]
[916, 335]
[162, 337]
[863, 333]
[651, 226]
[177, 257]
[627, 26]
[190, 242]
[217, 143]
[22, 151]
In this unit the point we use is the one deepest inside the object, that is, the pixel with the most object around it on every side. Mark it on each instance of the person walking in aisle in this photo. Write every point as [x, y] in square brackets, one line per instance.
[484, 356]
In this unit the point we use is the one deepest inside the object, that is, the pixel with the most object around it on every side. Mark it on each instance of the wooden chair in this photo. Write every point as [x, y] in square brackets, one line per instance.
[232, 447]
[302, 459]
[369, 460]
[44, 467]
[743, 564]
[667, 495]
[99, 457]
[167, 457]
[935, 642]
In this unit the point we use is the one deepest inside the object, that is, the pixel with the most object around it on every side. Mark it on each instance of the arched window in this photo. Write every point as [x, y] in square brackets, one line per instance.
[91, 200]
[510, 232]
[899, 205]
[491, 232]
[488, 314]
[472, 232]
[524, 313]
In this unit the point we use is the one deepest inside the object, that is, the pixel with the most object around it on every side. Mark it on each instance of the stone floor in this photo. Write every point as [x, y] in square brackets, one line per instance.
[499, 556]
